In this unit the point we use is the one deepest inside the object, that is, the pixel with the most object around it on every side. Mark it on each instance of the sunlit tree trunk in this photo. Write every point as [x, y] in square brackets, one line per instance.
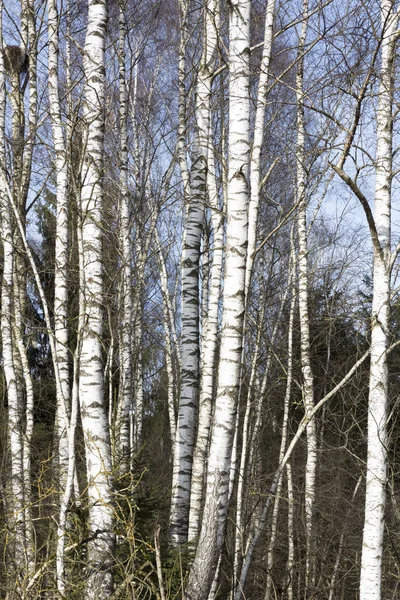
[169, 344]
[137, 439]
[290, 561]
[8, 351]
[190, 330]
[247, 449]
[17, 370]
[244, 454]
[285, 421]
[259, 129]
[219, 456]
[91, 384]
[308, 380]
[206, 179]
[372, 549]
[61, 243]
[65, 434]
[15, 416]
[126, 383]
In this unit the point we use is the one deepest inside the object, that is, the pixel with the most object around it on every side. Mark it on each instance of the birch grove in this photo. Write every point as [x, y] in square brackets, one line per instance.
[199, 308]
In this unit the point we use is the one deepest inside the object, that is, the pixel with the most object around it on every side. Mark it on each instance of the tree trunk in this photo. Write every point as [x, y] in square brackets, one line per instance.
[91, 385]
[375, 495]
[308, 379]
[126, 380]
[219, 457]
[206, 179]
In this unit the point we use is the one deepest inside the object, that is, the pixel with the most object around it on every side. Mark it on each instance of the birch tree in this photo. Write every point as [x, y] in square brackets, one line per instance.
[219, 456]
[126, 384]
[61, 245]
[379, 223]
[282, 449]
[16, 366]
[8, 348]
[91, 385]
[194, 190]
[308, 383]
[65, 432]
[206, 181]
[376, 471]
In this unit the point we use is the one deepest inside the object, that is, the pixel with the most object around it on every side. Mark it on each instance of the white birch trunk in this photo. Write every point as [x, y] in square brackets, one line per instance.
[167, 314]
[14, 400]
[243, 468]
[189, 392]
[66, 416]
[8, 352]
[182, 101]
[91, 385]
[285, 421]
[219, 457]
[372, 550]
[206, 177]
[71, 483]
[206, 382]
[308, 380]
[190, 330]
[29, 15]
[258, 138]
[16, 368]
[126, 383]
[26, 425]
[136, 442]
[61, 248]
[290, 561]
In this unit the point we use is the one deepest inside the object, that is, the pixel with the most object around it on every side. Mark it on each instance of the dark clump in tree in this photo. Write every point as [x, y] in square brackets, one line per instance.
[16, 60]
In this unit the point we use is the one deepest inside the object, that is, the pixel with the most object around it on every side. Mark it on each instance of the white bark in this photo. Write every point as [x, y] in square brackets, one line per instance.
[91, 385]
[29, 143]
[60, 281]
[285, 421]
[243, 468]
[213, 284]
[126, 383]
[8, 352]
[219, 458]
[372, 550]
[290, 561]
[182, 144]
[308, 380]
[258, 138]
[26, 425]
[71, 483]
[167, 314]
[16, 370]
[207, 381]
[136, 442]
[190, 331]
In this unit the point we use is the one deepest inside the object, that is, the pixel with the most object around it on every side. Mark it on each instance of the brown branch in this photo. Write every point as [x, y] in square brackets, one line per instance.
[364, 203]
